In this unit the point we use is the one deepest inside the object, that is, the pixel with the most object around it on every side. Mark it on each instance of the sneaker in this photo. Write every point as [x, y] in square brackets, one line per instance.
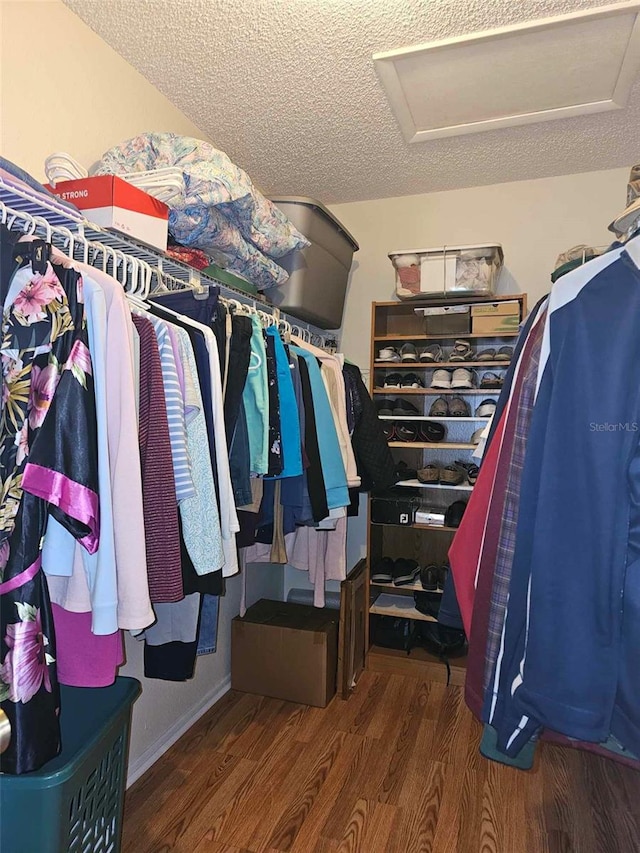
[442, 573]
[504, 354]
[402, 408]
[405, 571]
[471, 470]
[459, 408]
[382, 572]
[430, 475]
[486, 409]
[408, 352]
[475, 438]
[393, 380]
[488, 354]
[388, 430]
[439, 408]
[412, 380]
[388, 354]
[431, 353]
[384, 407]
[491, 380]
[406, 431]
[441, 379]
[454, 513]
[462, 378]
[429, 578]
[451, 475]
[431, 432]
[461, 352]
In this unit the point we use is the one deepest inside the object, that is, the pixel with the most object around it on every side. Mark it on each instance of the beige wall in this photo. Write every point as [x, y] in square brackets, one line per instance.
[64, 89]
[534, 221]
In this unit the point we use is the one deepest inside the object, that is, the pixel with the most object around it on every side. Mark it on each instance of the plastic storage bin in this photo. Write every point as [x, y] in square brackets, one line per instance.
[74, 803]
[318, 275]
[448, 270]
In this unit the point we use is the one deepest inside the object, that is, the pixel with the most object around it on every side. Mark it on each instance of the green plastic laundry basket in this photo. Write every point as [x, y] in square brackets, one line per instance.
[74, 803]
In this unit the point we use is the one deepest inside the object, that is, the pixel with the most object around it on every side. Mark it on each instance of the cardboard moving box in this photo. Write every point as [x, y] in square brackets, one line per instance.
[288, 651]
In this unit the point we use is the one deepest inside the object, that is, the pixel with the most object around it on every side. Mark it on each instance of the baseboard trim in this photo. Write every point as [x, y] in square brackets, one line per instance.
[153, 752]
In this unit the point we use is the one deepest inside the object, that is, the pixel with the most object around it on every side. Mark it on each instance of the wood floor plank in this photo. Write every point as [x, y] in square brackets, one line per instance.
[369, 828]
[395, 769]
[330, 793]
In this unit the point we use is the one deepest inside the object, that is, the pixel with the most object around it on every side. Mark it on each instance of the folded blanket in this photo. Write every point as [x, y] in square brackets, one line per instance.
[211, 180]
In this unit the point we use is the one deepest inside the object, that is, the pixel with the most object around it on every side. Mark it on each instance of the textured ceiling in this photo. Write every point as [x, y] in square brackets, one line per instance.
[287, 88]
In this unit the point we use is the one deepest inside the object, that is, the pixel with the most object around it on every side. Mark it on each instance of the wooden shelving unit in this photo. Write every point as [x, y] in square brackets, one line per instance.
[396, 323]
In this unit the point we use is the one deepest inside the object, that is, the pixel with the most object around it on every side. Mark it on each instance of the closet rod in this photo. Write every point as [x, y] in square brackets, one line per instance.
[26, 201]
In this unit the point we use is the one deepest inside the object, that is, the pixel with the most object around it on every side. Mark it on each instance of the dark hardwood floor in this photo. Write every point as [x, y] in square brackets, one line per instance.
[396, 768]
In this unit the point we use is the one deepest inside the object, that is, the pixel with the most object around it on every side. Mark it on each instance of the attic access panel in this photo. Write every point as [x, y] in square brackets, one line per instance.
[576, 64]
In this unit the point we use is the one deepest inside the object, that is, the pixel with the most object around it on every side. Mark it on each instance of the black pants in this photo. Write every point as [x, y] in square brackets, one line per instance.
[239, 355]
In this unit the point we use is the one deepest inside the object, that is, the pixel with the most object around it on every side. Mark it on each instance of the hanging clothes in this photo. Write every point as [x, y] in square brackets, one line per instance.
[49, 464]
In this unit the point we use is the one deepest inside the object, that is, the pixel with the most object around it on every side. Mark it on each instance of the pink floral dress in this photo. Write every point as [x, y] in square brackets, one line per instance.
[48, 464]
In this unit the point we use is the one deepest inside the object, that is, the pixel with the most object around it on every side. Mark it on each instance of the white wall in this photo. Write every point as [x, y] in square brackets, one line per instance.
[64, 89]
[534, 221]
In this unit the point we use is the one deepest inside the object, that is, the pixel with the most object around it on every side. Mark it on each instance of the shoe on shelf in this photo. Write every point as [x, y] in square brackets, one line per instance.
[504, 354]
[403, 472]
[451, 475]
[405, 571]
[384, 407]
[442, 573]
[388, 354]
[432, 353]
[439, 408]
[430, 474]
[471, 470]
[459, 408]
[491, 380]
[406, 431]
[486, 409]
[408, 352]
[477, 435]
[429, 578]
[441, 379]
[382, 572]
[454, 513]
[488, 354]
[431, 432]
[427, 603]
[388, 430]
[461, 352]
[411, 380]
[392, 380]
[403, 408]
[463, 378]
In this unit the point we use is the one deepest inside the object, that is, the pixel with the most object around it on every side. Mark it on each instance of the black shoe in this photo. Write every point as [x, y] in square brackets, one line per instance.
[382, 572]
[406, 431]
[402, 408]
[429, 578]
[388, 430]
[412, 380]
[385, 407]
[454, 513]
[442, 573]
[431, 432]
[405, 571]
[427, 603]
[403, 472]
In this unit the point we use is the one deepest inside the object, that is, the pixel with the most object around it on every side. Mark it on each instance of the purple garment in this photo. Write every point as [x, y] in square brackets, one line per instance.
[85, 659]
